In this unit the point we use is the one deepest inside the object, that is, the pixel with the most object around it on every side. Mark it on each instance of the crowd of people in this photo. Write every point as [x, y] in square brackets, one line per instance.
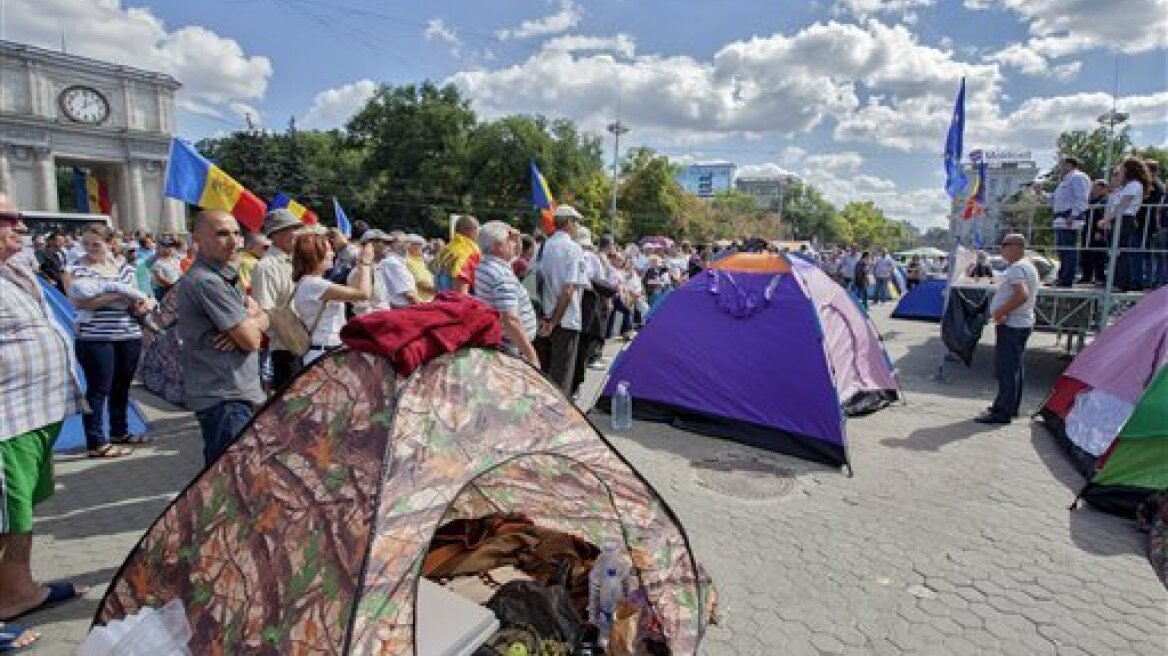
[253, 309]
[1127, 210]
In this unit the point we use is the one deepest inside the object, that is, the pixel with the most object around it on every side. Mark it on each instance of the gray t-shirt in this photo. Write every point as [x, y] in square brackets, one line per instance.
[209, 303]
[1022, 272]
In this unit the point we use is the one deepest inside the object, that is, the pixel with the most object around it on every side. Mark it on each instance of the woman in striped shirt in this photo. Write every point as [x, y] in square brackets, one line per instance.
[107, 337]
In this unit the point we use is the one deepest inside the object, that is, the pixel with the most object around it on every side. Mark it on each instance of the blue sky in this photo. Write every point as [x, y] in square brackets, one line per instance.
[854, 95]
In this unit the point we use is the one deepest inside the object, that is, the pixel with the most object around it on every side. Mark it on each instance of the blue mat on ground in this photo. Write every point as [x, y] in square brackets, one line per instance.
[72, 432]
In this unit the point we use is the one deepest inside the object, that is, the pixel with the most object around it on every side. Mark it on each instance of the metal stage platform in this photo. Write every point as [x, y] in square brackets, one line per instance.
[1073, 312]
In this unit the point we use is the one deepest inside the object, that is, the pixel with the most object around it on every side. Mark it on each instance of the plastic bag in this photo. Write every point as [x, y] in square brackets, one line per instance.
[547, 610]
[149, 632]
[965, 317]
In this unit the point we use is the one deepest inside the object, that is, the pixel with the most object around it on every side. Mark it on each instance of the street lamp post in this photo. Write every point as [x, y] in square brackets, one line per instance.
[616, 129]
[1111, 119]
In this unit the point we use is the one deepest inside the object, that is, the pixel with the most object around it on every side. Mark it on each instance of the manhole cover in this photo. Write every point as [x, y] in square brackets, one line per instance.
[745, 477]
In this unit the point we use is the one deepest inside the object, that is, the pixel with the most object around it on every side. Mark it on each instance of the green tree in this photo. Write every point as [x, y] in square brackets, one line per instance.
[416, 139]
[649, 195]
[1092, 149]
[1159, 155]
[806, 214]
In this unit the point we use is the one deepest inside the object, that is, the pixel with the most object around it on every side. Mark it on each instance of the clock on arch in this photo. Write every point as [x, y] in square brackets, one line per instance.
[84, 104]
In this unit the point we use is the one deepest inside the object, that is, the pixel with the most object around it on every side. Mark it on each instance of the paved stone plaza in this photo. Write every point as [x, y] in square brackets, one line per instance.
[950, 538]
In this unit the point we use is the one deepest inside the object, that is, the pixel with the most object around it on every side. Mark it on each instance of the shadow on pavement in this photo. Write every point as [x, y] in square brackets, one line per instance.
[101, 497]
[934, 438]
[1057, 461]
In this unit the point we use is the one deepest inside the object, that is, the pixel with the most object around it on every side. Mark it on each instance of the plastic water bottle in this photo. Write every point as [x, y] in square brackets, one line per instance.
[622, 407]
[606, 589]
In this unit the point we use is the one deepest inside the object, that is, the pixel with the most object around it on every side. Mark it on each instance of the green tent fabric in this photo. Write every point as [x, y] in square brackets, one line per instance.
[1137, 464]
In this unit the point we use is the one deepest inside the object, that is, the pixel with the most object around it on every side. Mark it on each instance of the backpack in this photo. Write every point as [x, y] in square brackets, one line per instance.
[288, 327]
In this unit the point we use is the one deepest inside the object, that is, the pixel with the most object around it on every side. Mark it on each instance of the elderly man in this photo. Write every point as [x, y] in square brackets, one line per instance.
[1070, 204]
[1012, 311]
[39, 390]
[221, 331]
[272, 286]
[497, 286]
[400, 288]
[565, 275]
[255, 246]
[416, 263]
[378, 296]
[455, 264]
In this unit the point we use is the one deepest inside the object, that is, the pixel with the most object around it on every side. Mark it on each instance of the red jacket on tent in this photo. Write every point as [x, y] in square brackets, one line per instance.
[410, 337]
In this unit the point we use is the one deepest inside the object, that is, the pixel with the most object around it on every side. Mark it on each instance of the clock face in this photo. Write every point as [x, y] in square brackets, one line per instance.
[84, 105]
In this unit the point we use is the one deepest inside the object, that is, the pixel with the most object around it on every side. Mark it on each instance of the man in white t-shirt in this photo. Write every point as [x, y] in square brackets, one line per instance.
[401, 290]
[1012, 311]
[563, 274]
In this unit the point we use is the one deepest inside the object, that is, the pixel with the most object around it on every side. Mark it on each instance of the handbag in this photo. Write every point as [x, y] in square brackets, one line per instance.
[288, 327]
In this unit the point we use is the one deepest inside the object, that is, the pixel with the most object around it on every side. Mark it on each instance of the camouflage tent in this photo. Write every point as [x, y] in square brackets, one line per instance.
[308, 534]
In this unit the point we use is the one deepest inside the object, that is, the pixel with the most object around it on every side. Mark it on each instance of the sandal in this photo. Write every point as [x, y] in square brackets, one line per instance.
[110, 451]
[15, 638]
[59, 593]
[130, 440]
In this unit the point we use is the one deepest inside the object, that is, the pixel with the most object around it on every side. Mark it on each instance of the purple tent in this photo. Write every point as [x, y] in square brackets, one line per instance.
[762, 349]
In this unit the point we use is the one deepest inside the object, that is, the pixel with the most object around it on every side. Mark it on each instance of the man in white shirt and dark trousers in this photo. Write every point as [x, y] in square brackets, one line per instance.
[1069, 203]
[1012, 311]
[562, 277]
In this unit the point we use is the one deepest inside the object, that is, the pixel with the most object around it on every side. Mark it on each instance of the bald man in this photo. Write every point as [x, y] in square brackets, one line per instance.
[221, 331]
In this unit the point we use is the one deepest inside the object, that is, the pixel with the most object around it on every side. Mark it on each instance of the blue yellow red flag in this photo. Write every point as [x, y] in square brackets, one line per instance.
[283, 200]
[92, 195]
[541, 197]
[191, 178]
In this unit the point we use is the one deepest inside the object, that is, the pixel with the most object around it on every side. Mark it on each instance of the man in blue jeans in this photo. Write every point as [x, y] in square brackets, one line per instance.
[221, 331]
[1012, 310]
[1069, 203]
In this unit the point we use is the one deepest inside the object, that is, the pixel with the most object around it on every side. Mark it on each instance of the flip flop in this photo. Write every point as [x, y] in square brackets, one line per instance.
[59, 593]
[10, 634]
[110, 451]
[130, 440]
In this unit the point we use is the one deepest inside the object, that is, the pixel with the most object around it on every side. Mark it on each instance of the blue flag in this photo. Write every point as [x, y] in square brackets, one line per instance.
[954, 177]
[343, 224]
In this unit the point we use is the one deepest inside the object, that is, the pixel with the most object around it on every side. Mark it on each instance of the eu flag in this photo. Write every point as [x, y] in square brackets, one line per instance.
[954, 177]
[343, 224]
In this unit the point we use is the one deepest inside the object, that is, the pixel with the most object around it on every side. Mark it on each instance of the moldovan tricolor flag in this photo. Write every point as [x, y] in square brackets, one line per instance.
[283, 200]
[92, 195]
[541, 197]
[192, 179]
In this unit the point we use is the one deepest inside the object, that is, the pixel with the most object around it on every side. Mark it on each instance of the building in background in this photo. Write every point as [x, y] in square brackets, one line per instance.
[60, 112]
[766, 190]
[705, 179]
[1007, 173]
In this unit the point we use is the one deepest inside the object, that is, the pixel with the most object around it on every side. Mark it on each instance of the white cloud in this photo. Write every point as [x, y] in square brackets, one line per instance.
[1066, 72]
[567, 17]
[437, 30]
[332, 107]
[244, 110]
[621, 44]
[863, 8]
[1059, 28]
[847, 161]
[769, 171]
[775, 84]
[214, 70]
